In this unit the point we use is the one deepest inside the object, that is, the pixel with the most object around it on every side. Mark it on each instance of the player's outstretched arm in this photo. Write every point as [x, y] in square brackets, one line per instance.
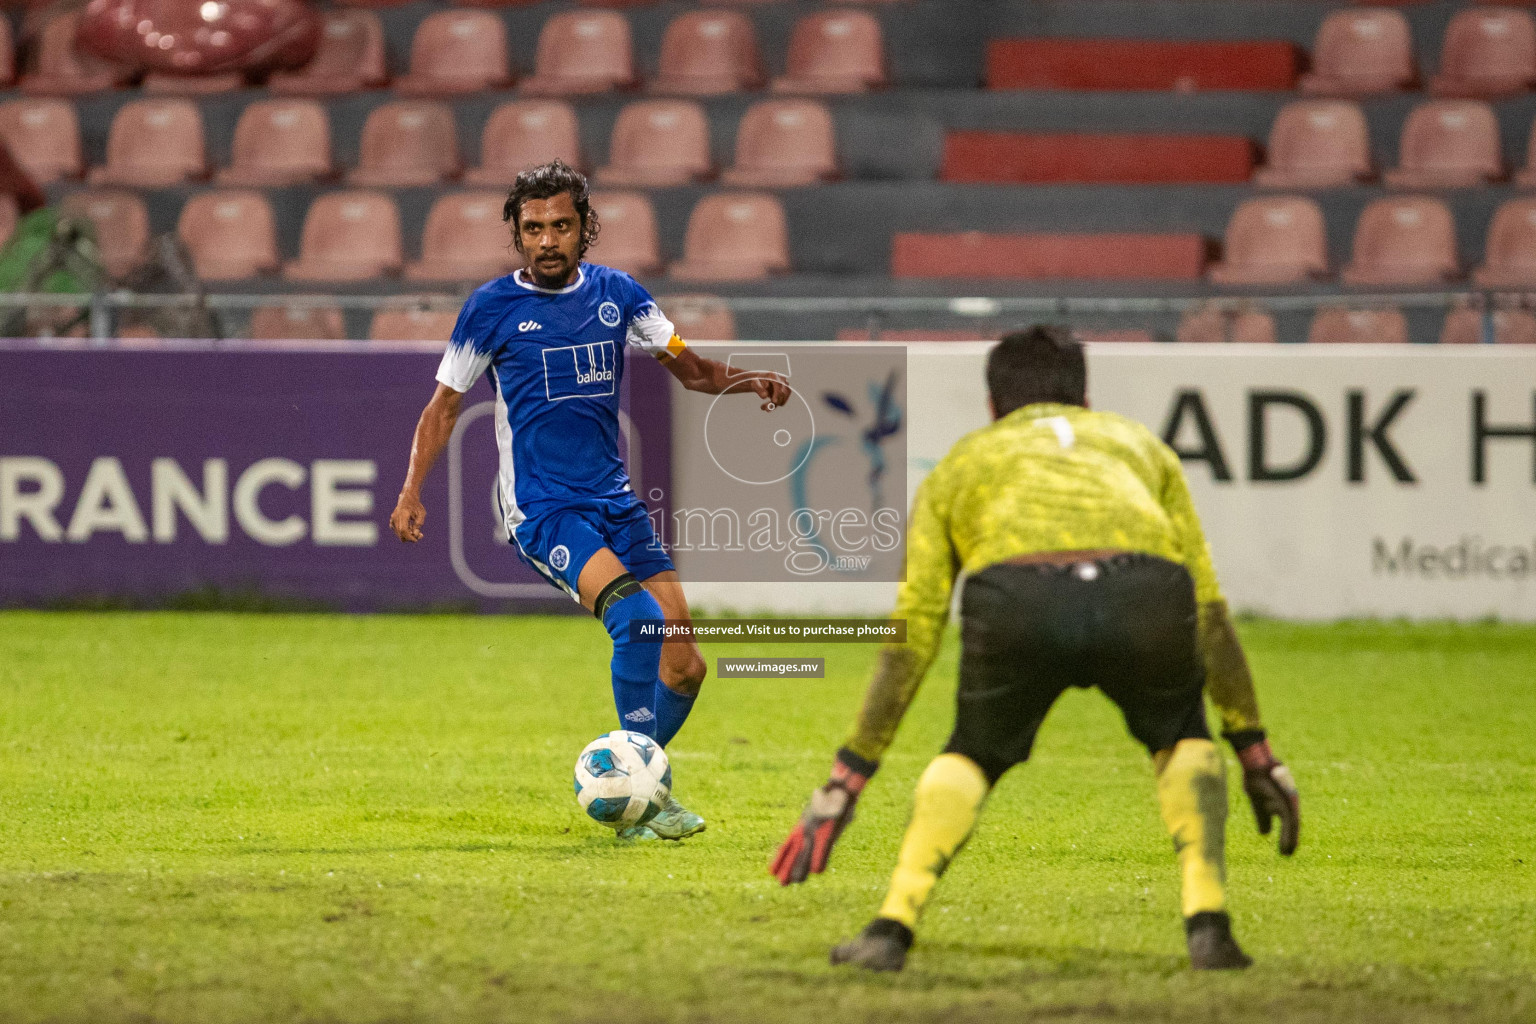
[432, 433]
[712, 377]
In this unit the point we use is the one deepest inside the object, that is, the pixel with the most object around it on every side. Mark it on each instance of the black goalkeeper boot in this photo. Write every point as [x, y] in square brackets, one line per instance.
[881, 946]
[1211, 945]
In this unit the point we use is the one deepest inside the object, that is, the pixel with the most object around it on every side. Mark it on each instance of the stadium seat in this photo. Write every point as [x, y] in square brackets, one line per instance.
[348, 236]
[1403, 241]
[58, 69]
[44, 137]
[734, 236]
[412, 324]
[160, 83]
[1141, 64]
[7, 54]
[700, 317]
[1316, 144]
[301, 323]
[458, 52]
[231, 234]
[1039, 256]
[408, 142]
[280, 142]
[627, 239]
[1510, 253]
[1338, 326]
[784, 142]
[1209, 323]
[465, 240]
[154, 143]
[1448, 144]
[709, 52]
[1488, 51]
[522, 134]
[1273, 240]
[582, 52]
[122, 226]
[657, 143]
[1084, 158]
[351, 58]
[1360, 51]
[1466, 326]
[834, 51]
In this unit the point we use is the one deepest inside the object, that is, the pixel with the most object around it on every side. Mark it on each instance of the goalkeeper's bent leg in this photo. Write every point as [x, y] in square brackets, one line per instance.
[1192, 792]
[944, 810]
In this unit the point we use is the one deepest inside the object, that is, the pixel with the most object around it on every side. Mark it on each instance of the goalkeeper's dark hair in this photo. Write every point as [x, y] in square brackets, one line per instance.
[545, 182]
[1043, 363]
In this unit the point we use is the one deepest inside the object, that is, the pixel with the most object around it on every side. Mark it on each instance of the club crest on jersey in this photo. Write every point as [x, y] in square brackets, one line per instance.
[580, 371]
[608, 313]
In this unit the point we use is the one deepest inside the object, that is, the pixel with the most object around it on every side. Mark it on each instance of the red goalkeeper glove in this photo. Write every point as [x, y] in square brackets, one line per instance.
[809, 845]
[1270, 788]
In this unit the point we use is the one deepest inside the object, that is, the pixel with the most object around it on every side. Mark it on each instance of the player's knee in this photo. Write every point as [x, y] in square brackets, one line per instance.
[684, 672]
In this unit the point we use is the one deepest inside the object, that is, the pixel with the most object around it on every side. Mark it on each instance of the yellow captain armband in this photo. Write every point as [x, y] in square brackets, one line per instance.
[675, 346]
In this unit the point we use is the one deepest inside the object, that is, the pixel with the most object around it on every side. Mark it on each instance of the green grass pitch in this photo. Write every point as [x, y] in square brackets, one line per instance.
[230, 818]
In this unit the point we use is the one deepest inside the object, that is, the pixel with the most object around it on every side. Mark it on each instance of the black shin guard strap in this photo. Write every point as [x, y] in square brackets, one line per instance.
[617, 590]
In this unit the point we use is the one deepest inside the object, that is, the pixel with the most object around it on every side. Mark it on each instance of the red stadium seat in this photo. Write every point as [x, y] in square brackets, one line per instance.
[784, 142]
[1336, 326]
[658, 143]
[582, 52]
[700, 317]
[1273, 240]
[161, 83]
[412, 324]
[348, 236]
[1488, 51]
[60, 70]
[709, 52]
[1404, 241]
[1447, 144]
[154, 143]
[280, 142]
[523, 134]
[298, 323]
[1208, 324]
[351, 58]
[1510, 252]
[43, 136]
[1360, 51]
[122, 226]
[231, 234]
[1465, 326]
[408, 142]
[465, 240]
[1140, 64]
[628, 239]
[734, 236]
[978, 255]
[1317, 144]
[458, 52]
[7, 53]
[835, 51]
[1111, 159]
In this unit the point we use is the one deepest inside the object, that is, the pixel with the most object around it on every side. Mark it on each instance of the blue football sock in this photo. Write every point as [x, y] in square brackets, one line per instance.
[671, 712]
[636, 661]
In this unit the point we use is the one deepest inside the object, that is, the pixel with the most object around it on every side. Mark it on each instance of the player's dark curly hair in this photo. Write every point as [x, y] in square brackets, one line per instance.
[1043, 363]
[545, 182]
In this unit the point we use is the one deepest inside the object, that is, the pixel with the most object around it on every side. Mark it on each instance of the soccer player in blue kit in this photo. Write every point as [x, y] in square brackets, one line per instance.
[550, 340]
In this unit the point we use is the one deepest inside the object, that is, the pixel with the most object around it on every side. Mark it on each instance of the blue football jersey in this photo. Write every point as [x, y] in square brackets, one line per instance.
[555, 359]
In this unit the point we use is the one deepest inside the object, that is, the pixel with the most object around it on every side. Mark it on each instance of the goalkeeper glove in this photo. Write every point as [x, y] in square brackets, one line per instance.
[1269, 786]
[809, 845]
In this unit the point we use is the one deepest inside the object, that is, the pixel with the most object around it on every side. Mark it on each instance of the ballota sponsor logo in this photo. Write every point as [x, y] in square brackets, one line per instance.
[1471, 557]
[33, 506]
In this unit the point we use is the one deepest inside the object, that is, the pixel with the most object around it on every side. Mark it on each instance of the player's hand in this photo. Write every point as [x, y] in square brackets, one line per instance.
[1271, 790]
[809, 845]
[407, 518]
[772, 388]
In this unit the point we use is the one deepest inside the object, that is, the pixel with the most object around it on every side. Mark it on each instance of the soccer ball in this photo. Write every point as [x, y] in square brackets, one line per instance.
[623, 778]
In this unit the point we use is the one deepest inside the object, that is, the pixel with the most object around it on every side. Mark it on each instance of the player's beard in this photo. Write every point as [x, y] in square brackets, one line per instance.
[551, 274]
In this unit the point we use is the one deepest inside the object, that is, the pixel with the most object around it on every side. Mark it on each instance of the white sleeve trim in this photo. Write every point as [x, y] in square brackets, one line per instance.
[462, 365]
[651, 331]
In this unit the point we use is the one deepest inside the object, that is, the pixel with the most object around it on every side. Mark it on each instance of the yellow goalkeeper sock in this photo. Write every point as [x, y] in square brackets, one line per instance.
[944, 809]
[1192, 790]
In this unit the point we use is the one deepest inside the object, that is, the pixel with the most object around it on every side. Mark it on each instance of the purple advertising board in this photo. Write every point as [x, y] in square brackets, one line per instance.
[195, 472]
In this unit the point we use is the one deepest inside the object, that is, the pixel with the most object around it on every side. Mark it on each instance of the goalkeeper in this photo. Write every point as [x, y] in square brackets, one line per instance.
[1086, 566]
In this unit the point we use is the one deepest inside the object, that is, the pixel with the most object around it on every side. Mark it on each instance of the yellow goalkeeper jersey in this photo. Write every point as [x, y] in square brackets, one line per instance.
[1043, 478]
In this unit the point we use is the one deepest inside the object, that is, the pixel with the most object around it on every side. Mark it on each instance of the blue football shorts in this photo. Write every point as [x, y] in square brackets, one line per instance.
[559, 541]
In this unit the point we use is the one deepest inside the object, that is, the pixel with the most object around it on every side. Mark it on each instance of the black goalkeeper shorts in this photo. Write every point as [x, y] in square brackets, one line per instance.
[1125, 623]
